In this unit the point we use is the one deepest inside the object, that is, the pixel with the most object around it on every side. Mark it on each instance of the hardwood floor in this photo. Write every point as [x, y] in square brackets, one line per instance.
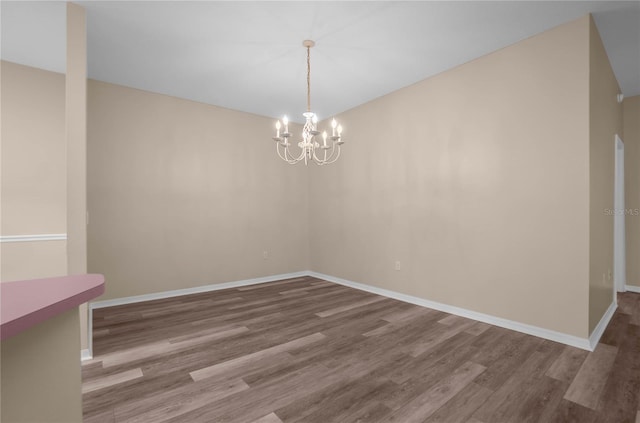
[306, 350]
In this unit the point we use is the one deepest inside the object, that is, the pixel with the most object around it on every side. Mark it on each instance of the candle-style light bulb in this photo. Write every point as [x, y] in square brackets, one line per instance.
[333, 127]
[277, 128]
[285, 120]
[339, 130]
[324, 138]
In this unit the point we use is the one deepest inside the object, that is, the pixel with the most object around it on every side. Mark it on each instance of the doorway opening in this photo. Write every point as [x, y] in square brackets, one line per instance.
[619, 247]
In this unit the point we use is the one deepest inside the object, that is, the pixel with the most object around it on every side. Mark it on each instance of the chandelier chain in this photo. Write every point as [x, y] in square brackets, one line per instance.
[308, 79]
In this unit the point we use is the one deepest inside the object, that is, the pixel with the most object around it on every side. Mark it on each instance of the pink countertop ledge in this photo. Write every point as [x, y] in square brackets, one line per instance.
[27, 303]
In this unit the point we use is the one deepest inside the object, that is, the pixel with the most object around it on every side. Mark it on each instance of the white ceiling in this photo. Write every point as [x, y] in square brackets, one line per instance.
[248, 55]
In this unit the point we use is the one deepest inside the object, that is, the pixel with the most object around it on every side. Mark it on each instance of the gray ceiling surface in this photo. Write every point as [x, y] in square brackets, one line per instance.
[248, 55]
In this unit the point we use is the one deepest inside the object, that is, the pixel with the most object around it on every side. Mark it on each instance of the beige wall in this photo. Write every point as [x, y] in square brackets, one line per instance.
[33, 171]
[605, 121]
[40, 379]
[631, 138]
[32, 260]
[76, 136]
[476, 180]
[183, 194]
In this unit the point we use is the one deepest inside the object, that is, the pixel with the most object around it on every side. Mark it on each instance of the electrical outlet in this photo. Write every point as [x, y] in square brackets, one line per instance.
[397, 265]
[265, 255]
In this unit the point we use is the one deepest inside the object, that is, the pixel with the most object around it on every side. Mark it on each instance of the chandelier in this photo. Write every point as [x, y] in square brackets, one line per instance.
[310, 150]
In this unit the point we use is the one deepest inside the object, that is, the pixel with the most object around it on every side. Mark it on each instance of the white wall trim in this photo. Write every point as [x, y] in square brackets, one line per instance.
[90, 330]
[194, 290]
[632, 288]
[601, 326]
[85, 355]
[33, 238]
[563, 338]
[574, 341]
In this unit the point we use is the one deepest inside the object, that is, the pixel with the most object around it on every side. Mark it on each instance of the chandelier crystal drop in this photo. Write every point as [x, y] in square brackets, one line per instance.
[310, 150]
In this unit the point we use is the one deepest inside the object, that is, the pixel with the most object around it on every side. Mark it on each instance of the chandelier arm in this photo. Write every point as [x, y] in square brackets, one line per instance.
[332, 159]
[317, 159]
[333, 147]
[300, 156]
[314, 157]
[279, 154]
[324, 160]
[337, 155]
[287, 156]
[292, 159]
[283, 156]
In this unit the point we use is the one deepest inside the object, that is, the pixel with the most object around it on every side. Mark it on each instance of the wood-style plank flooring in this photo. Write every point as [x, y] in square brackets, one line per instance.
[306, 350]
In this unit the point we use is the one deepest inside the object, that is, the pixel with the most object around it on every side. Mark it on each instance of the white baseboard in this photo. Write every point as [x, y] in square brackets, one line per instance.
[194, 290]
[601, 326]
[90, 330]
[85, 355]
[632, 288]
[574, 341]
[582, 343]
